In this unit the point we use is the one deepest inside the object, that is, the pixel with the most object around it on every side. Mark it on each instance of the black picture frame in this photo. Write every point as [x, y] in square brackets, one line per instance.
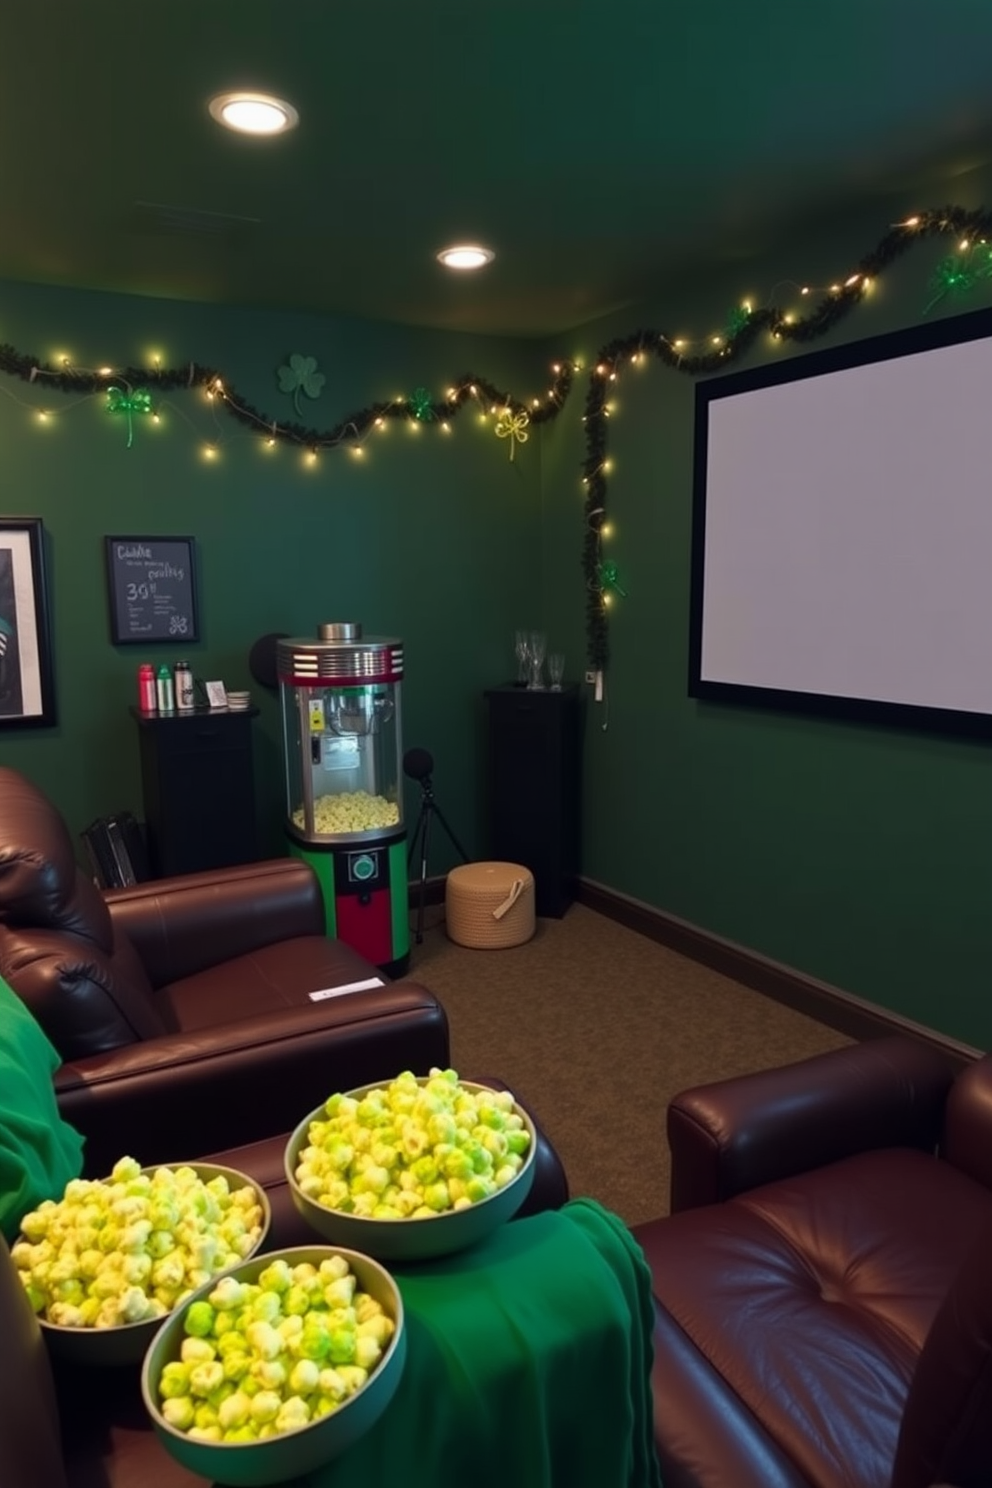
[27, 689]
[151, 590]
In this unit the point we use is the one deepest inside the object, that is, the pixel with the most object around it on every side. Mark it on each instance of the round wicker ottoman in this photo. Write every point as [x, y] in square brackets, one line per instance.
[490, 905]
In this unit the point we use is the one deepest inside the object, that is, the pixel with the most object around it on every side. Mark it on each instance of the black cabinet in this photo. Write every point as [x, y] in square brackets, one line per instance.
[198, 785]
[535, 788]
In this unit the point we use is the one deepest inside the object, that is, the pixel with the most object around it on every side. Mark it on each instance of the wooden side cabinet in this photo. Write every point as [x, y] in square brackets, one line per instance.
[535, 788]
[198, 787]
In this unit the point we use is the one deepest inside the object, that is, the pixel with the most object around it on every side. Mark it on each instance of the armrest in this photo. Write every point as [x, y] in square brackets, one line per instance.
[186, 924]
[735, 1134]
[172, 1097]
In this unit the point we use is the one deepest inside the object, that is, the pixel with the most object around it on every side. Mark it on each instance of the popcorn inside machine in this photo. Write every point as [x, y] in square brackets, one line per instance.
[340, 701]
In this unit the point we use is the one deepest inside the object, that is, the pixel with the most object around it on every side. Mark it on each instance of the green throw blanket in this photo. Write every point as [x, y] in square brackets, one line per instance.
[528, 1366]
[39, 1152]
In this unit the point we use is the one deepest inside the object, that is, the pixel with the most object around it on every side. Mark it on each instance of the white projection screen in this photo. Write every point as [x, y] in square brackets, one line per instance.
[842, 530]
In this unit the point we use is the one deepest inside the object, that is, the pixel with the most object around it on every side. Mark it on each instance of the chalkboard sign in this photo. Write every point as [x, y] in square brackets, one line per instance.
[152, 589]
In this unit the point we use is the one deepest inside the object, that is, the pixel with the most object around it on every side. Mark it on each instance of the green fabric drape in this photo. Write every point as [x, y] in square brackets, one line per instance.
[528, 1363]
[39, 1152]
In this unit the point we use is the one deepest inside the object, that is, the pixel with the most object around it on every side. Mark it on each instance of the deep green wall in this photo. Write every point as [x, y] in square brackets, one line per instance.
[859, 855]
[431, 537]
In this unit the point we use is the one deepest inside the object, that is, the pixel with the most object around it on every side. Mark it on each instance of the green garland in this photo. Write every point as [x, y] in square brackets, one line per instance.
[130, 390]
[743, 328]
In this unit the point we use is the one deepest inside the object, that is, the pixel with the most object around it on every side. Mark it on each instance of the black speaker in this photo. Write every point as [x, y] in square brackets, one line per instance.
[262, 659]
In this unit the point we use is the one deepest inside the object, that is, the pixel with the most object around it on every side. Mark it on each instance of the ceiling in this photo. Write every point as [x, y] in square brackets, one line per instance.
[599, 146]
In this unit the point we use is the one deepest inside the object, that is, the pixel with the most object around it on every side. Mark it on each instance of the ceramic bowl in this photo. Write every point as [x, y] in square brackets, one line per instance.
[285, 1457]
[127, 1343]
[411, 1239]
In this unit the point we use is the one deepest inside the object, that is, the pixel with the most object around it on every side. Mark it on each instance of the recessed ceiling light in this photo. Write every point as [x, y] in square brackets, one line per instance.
[254, 113]
[466, 256]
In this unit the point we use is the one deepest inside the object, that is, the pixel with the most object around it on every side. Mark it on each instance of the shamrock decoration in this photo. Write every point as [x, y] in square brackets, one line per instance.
[608, 576]
[301, 376]
[737, 320]
[129, 402]
[513, 426]
[422, 405]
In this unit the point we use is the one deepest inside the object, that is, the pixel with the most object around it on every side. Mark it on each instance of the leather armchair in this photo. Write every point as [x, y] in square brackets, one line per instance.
[823, 1311]
[185, 1005]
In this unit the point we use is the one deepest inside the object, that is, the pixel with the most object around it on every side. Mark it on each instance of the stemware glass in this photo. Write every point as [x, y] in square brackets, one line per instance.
[521, 648]
[538, 648]
[556, 670]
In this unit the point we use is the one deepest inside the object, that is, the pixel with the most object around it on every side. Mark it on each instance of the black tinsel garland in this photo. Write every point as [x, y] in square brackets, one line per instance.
[968, 224]
[831, 308]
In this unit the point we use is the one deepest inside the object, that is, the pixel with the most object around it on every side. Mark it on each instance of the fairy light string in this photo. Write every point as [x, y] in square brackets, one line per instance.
[134, 390]
[960, 272]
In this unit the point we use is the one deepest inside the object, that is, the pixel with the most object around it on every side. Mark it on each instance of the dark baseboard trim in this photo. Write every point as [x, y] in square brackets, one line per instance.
[829, 1005]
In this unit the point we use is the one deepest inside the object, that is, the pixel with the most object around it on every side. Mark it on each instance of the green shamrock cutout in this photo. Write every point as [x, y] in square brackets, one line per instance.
[421, 405]
[301, 376]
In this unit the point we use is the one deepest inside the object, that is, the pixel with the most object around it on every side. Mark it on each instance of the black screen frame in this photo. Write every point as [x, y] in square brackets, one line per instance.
[971, 326]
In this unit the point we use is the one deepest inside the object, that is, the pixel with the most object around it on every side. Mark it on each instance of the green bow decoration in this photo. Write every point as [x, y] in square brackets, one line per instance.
[608, 579]
[956, 275]
[124, 401]
[301, 376]
[513, 426]
[422, 405]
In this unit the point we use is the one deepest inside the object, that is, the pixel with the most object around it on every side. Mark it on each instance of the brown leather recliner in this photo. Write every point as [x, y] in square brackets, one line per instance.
[184, 1005]
[823, 1284]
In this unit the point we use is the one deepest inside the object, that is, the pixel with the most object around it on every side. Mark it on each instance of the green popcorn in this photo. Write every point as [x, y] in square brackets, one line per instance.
[199, 1319]
[315, 1340]
[236, 1364]
[174, 1380]
[304, 1377]
[294, 1413]
[204, 1379]
[341, 1349]
[276, 1277]
[368, 1352]
[228, 1294]
[332, 1385]
[436, 1197]
[296, 1301]
[265, 1406]
[234, 1411]
[197, 1351]
[179, 1411]
[266, 1307]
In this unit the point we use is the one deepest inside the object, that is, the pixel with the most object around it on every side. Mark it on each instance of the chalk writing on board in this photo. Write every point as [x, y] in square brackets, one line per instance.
[152, 589]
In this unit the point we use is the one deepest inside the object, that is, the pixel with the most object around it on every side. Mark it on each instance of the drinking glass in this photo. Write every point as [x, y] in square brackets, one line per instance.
[521, 649]
[537, 648]
[556, 670]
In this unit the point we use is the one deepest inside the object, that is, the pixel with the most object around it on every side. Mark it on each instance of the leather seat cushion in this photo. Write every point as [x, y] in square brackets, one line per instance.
[281, 975]
[810, 1299]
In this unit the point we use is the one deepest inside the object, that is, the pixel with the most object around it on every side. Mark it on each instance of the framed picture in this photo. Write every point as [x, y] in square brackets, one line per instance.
[27, 693]
[151, 585]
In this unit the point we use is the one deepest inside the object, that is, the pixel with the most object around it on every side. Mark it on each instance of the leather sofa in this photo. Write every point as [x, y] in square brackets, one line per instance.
[184, 1005]
[823, 1282]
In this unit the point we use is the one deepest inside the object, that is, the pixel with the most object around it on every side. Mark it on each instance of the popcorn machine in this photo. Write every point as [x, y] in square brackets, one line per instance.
[340, 701]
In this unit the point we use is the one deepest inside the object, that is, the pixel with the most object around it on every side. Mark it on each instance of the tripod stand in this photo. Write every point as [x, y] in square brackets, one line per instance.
[418, 764]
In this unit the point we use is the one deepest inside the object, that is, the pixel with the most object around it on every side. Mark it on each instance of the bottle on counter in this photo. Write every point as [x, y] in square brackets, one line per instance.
[165, 690]
[184, 687]
[147, 692]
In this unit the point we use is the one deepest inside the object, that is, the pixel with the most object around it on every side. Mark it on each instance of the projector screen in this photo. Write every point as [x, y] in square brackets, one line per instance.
[842, 530]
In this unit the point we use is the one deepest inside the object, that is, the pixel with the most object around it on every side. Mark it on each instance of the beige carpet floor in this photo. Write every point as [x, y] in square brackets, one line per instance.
[595, 1027]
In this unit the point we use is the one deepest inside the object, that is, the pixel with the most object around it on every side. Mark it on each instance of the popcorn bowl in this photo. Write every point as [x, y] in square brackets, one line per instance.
[411, 1239]
[126, 1343]
[287, 1455]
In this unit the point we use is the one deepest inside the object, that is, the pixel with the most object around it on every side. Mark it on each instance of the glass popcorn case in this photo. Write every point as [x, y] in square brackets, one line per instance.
[342, 741]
